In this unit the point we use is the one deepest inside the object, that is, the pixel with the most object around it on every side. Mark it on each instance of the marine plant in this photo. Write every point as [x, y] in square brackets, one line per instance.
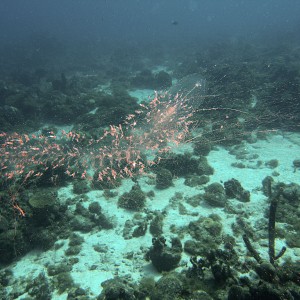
[122, 151]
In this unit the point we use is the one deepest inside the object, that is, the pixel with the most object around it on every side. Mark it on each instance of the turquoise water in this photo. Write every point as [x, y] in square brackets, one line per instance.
[149, 150]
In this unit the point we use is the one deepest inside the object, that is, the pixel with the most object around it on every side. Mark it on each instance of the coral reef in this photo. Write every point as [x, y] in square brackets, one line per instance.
[133, 200]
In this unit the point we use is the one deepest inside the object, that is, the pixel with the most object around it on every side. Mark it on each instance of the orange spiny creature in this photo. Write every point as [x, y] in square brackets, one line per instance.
[113, 173]
[19, 209]
[119, 152]
[83, 175]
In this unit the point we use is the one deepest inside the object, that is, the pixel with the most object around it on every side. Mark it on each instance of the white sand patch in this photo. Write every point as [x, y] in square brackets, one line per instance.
[143, 95]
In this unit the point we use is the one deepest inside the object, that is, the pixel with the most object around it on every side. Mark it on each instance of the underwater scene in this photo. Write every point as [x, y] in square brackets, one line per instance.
[150, 150]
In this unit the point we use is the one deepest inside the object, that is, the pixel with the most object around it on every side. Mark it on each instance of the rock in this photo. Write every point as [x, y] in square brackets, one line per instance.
[163, 179]
[163, 257]
[234, 189]
[215, 195]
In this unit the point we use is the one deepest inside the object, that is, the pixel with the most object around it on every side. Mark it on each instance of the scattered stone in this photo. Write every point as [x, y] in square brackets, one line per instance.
[163, 257]
[164, 179]
[234, 189]
[215, 195]
[296, 164]
[272, 164]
